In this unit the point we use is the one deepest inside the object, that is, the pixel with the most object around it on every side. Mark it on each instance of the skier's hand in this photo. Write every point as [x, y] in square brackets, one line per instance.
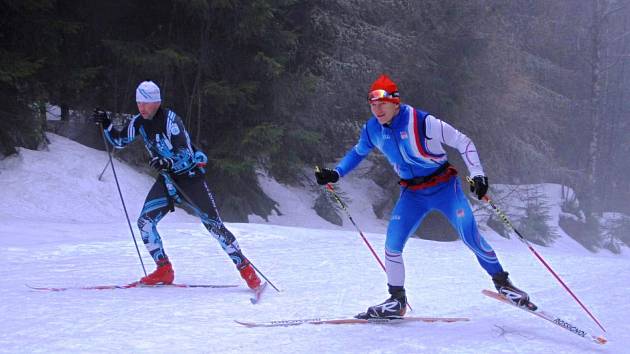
[326, 175]
[480, 186]
[161, 163]
[100, 117]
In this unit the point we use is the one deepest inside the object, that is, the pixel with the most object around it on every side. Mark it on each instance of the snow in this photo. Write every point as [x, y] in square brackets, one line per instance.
[511, 200]
[297, 205]
[60, 226]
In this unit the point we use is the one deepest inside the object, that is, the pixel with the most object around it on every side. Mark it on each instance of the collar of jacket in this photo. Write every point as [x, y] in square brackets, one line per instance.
[399, 119]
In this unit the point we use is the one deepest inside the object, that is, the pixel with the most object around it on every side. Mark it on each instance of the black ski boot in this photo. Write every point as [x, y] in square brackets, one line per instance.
[515, 295]
[392, 308]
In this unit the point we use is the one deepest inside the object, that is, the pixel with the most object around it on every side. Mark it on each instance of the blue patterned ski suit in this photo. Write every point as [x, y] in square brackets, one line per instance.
[165, 135]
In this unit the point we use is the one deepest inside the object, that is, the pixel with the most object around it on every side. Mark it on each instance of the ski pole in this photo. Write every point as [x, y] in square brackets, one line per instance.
[168, 179]
[122, 200]
[507, 222]
[330, 188]
[102, 172]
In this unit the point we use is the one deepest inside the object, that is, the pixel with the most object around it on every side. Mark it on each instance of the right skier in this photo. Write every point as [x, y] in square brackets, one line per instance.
[412, 141]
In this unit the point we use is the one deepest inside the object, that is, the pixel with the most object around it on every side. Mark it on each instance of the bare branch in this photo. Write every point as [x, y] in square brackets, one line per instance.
[622, 36]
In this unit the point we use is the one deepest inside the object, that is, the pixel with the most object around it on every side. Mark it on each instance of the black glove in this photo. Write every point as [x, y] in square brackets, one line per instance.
[161, 163]
[326, 175]
[480, 186]
[101, 117]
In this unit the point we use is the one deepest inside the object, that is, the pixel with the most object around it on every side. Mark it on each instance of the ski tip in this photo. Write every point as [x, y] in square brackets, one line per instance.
[45, 288]
[34, 287]
[246, 324]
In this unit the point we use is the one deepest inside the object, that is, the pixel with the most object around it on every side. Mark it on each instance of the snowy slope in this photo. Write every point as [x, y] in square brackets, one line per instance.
[61, 185]
[296, 204]
[511, 200]
[59, 228]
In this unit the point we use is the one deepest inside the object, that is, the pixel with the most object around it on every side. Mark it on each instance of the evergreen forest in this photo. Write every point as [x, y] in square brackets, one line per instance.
[541, 87]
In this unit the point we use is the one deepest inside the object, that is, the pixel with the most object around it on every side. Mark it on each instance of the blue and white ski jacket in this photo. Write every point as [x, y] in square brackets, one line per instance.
[164, 135]
[412, 143]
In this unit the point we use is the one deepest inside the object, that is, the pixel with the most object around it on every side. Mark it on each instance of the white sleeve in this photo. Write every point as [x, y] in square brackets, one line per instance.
[442, 133]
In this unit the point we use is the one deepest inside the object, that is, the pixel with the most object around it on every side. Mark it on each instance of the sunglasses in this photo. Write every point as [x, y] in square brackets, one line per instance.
[380, 94]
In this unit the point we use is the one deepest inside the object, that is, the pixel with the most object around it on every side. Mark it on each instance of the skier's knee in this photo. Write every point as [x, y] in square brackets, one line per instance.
[394, 246]
[143, 221]
[145, 225]
[392, 253]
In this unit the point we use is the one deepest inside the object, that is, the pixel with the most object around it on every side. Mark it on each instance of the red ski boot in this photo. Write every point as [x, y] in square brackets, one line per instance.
[249, 274]
[164, 274]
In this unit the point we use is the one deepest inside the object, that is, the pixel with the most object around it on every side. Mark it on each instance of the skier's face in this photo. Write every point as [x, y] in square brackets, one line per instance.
[384, 111]
[147, 109]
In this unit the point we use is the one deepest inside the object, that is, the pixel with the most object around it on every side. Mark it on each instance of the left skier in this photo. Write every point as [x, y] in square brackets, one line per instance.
[174, 156]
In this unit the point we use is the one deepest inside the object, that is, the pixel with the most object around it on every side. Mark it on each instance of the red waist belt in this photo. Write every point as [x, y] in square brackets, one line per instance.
[429, 181]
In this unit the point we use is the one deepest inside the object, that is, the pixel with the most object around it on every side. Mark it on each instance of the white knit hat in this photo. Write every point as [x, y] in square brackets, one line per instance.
[148, 91]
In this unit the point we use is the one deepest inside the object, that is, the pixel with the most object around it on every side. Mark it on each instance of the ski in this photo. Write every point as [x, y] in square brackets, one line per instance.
[349, 320]
[257, 293]
[130, 286]
[549, 317]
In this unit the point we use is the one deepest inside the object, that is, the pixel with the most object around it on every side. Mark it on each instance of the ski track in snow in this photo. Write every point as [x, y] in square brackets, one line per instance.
[322, 271]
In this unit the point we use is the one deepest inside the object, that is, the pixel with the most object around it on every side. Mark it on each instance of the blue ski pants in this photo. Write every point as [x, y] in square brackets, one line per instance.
[414, 205]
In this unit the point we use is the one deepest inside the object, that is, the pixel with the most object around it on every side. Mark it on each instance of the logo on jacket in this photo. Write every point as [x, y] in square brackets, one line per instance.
[403, 135]
[174, 129]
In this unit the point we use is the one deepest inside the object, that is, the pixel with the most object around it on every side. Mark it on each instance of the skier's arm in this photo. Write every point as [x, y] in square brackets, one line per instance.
[444, 133]
[356, 154]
